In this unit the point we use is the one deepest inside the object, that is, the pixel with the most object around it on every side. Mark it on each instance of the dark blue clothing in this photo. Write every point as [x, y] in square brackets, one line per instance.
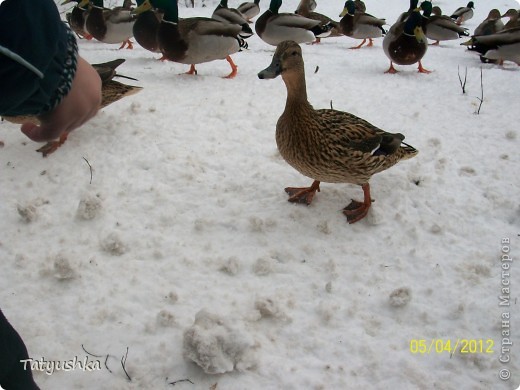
[32, 29]
[13, 374]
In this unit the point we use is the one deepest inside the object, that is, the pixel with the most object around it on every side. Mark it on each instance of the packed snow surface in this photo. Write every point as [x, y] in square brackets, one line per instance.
[182, 263]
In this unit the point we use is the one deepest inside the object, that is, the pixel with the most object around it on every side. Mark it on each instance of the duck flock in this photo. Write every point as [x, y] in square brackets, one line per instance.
[326, 145]
[156, 25]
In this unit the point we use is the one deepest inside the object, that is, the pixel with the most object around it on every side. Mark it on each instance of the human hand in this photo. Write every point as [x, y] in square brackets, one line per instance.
[81, 103]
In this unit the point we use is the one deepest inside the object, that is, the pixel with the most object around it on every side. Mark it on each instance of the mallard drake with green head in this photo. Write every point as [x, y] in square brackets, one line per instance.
[512, 14]
[405, 42]
[145, 28]
[463, 14]
[77, 18]
[328, 145]
[440, 27]
[304, 9]
[274, 27]
[249, 9]
[499, 47]
[194, 40]
[491, 25]
[231, 15]
[111, 91]
[110, 25]
[360, 25]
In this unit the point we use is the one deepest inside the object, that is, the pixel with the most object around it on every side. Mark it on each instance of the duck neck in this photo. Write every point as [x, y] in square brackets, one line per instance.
[296, 92]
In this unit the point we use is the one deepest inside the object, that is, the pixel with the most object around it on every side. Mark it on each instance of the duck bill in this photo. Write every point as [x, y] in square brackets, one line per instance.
[467, 43]
[419, 34]
[146, 6]
[344, 12]
[272, 71]
[82, 3]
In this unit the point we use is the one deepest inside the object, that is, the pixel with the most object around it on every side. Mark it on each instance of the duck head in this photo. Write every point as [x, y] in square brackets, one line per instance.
[287, 58]
[413, 26]
[349, 8]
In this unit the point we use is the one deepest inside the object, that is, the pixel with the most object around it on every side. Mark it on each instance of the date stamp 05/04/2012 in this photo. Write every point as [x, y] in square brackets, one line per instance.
[462, 346]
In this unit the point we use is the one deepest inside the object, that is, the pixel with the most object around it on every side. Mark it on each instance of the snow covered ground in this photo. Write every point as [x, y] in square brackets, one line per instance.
[185, 217]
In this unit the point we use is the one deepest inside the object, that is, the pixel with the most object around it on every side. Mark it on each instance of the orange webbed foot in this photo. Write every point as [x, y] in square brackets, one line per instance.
[303, 195]
[356, 211]
[52, 146]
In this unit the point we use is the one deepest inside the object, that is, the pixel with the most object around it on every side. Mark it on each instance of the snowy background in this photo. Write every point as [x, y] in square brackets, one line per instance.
[186, 214]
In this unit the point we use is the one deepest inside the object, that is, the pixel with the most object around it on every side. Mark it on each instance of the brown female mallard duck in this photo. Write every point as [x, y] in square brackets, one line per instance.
[491, 25]
[513, 15]
[328, 145]
[111, 91]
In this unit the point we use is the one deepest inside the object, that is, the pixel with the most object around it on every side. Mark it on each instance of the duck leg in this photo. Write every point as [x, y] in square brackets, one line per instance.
[317, 41]
[358, 46]
[356, 211]
[370, 42]
[50, 147]
[233, 68]
[127, 42]
[391, 70]
[303, 194]
[192, 69]
[422, 70]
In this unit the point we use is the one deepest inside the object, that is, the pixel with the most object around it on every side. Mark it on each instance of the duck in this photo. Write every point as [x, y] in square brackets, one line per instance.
[249, 9]
[491, 25]
[360, 25]
[77, 18]
[274, 27]
[360, 6]
[111, 92]
[328, 145]
[512, 14]
[304, 9]
[440, 27]
[405, 42]
[499, 47]
[111, 25]
[194, 40]
[145, 28]
[463, 14]
[232, 15]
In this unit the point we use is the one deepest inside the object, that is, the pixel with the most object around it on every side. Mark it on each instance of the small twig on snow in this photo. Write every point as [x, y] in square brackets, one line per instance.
[481, 98]
[181, 380]
[463, 84]
[317, 68]
[90, 167]
[123, 362]
[106, 365]
[91, 354]
[332, 108]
